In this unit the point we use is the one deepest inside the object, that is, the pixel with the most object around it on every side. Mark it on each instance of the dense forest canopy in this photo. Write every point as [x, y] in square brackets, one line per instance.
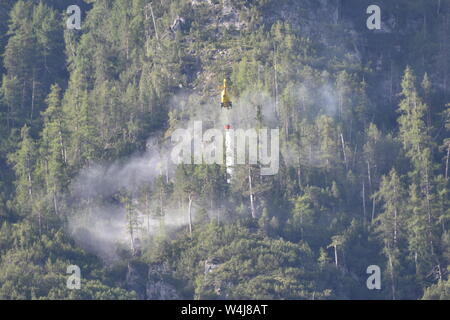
[87, 118]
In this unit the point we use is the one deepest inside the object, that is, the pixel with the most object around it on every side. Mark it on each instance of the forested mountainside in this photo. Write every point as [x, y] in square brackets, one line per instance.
[86, 123]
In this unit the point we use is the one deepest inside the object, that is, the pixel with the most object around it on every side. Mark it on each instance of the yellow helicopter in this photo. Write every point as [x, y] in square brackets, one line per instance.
[225, 101]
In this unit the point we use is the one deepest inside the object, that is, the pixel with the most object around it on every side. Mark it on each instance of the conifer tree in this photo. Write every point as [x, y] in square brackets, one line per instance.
[24, 165]
[53, 155]
[391, 225]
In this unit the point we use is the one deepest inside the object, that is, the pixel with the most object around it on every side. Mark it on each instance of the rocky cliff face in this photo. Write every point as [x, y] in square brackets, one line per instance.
[157, 287]
[213, 287]
[150, 282]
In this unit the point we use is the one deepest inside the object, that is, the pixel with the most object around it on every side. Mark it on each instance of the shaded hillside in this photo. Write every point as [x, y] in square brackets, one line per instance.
[87, 176]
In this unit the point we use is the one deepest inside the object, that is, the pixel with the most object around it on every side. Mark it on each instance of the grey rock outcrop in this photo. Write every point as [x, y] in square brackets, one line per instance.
[157, 286]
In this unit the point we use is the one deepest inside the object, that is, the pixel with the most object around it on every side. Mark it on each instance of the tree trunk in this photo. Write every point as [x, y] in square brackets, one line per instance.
[430, 227]
[392, 276]
[373, 208]
[395, 218]
[343, 151]
[161, 202]
[132, 241]
[55, 203]
[190, 214]
[275, 51]
[335, 256]
[252, 205]
[446, 161]
[416, 264]
[364, 201]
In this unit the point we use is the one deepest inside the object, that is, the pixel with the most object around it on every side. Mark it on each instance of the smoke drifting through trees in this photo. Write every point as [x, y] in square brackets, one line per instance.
[363, 174]
[100, 225]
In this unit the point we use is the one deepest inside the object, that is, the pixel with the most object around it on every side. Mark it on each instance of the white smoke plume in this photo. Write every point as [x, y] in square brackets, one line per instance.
[98, 221]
